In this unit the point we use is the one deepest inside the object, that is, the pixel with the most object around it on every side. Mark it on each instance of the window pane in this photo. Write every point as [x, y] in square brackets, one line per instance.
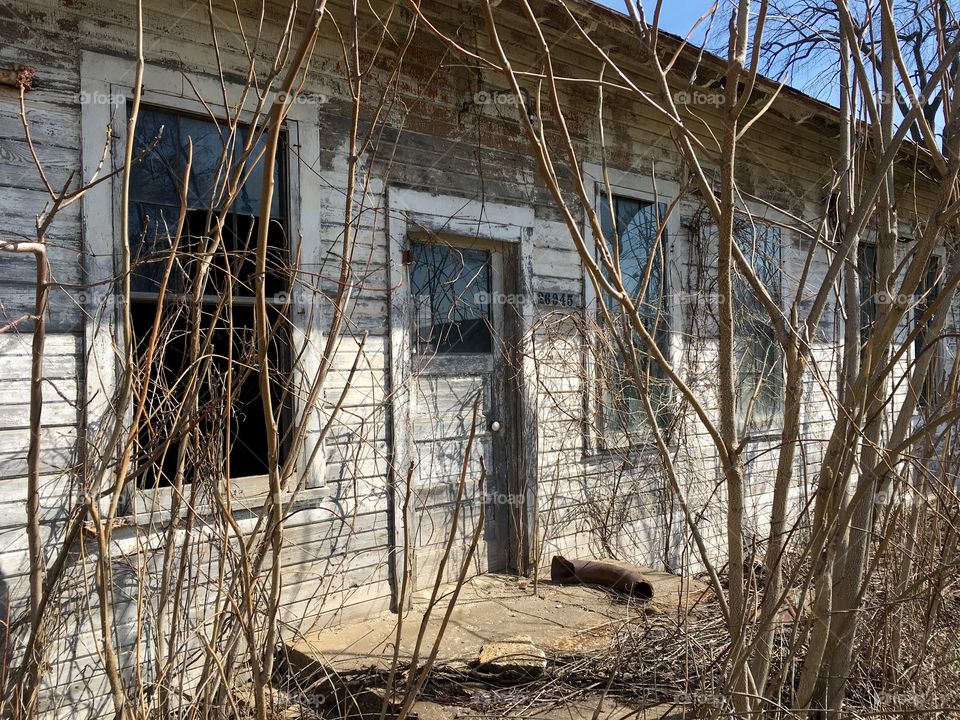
[631, 234]
[151, 228]
[637, 226]
[162, 137]
[634, 236]
[866, 269]
[248, 200]
[761, 245]
[759, 382]
[757, 353]
[451, 291]
[926, 295]
[157, 176]
[208, 169]
[156, 189]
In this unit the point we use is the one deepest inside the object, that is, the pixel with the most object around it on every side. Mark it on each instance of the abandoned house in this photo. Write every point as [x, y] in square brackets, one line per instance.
[464, 330]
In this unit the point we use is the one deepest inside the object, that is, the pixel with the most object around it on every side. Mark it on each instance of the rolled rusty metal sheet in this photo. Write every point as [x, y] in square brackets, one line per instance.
[620, 577]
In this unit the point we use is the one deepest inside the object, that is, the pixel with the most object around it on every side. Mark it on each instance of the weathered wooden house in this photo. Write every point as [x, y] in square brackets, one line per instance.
[465, 292]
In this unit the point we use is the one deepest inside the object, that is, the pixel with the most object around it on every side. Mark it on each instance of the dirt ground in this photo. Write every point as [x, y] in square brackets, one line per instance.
[565, 622]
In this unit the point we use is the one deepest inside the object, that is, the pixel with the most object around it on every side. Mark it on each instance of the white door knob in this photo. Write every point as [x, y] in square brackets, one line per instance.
[495, 426]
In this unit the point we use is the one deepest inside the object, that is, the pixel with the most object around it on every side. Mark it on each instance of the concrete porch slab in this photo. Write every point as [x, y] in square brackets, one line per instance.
[560, 619]
[582, 709]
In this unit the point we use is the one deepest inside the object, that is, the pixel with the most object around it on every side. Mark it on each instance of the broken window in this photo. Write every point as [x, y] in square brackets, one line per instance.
[628, 369]
[451, 291]
[200, 380]
[756, 350]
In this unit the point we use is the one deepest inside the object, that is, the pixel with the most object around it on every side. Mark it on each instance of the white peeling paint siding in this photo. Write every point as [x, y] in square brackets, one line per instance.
[339, 539]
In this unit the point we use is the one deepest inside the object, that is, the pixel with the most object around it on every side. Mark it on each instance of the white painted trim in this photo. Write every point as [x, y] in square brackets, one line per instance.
[307, 307]
[451, 215]
[100, 324]
[530, 409]
[171, 88]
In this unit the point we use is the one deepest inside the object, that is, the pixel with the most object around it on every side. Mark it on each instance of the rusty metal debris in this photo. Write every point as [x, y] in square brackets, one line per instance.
[621, 577]
[18, 76]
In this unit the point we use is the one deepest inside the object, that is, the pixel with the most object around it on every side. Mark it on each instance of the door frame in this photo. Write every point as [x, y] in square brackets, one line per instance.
[411, 213]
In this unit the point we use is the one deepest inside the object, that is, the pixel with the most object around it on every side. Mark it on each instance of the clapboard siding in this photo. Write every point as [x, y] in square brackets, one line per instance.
[432, 138]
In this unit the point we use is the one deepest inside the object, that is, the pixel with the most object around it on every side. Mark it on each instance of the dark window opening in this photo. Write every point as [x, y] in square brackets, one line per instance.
[220, 422]
[451, 291]
[229, 378]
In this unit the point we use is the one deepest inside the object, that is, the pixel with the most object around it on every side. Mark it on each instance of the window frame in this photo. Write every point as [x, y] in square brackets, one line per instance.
[106, 90]
[927, 293]
[629, 185]
[935, 265]
[141, 495]
[868, 302]
[495, 319]
[753, 218]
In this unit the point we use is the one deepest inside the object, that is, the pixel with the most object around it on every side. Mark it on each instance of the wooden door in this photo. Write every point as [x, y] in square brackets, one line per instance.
[458, 371]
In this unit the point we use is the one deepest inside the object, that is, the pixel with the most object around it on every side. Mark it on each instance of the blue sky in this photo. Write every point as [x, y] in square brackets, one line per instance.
[677, 16]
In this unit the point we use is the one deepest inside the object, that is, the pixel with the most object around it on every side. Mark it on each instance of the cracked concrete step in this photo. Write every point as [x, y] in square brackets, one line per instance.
[514, 658]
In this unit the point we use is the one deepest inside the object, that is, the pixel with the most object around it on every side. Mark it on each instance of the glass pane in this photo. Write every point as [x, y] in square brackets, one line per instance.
[156, 186]
[623, 409]
[761, 245]
[208, 169]
[640, 253]
[866, 269]
[926, 295]
[248, 199]
[759, 375]
[451, 292]
[158, 175]
[151, 230]
[633, 236]
[637, 225]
